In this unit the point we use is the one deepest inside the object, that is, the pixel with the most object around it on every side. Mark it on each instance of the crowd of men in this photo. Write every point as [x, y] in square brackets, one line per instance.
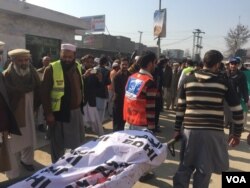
[68, 97]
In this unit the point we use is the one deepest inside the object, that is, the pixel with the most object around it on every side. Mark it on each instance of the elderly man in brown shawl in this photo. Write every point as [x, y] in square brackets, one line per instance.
[22, 84]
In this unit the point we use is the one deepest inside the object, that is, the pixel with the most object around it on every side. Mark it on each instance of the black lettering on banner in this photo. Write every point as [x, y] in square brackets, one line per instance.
[57, 171]
[151, 153]
[153, 156]
[132, 137]
[127, 141]
[150, 139]
[69, 186]
[37, 180]
[83, 183]
[138, 144]
[80, 183]
[103, 138]
[74, 160]
[241, 179]
[113, 163]
[148, 149]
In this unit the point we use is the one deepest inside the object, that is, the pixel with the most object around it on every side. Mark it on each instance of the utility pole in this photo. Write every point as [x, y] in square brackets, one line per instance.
[159, 38]
[139, 48]
[197, 43]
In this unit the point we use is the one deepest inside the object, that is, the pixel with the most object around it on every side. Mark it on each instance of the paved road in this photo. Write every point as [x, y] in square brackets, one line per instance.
[239, 157]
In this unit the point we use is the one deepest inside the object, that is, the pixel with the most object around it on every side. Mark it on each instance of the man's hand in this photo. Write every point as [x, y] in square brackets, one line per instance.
[177, 135]
[50, 119]
[87, 73]
[233, 140]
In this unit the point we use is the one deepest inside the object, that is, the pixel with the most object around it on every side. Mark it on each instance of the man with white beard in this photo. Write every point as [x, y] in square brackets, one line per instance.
[22, 84]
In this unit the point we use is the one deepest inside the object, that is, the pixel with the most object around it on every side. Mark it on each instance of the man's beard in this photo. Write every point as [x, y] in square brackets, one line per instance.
[67, 64]
[22, 70]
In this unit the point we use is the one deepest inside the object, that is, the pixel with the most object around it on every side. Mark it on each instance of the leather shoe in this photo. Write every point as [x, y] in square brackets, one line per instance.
[28, 167]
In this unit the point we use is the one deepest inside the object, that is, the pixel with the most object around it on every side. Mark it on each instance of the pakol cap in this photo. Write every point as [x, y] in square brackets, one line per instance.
[69, 47]
[19, 52]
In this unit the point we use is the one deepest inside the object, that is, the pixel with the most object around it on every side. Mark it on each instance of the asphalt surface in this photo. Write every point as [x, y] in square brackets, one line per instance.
[239, 156]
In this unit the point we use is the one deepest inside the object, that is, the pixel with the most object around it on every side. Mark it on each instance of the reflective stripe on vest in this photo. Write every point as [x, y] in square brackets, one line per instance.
[58, 85]
[134, 110]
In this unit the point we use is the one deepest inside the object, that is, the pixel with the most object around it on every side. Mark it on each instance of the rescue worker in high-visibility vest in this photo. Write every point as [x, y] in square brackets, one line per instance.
[62, 97]
[140, 95]
[139, 100]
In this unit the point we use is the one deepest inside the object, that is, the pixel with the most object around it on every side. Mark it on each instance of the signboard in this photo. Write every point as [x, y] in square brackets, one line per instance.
[95, 23]
[160, 23]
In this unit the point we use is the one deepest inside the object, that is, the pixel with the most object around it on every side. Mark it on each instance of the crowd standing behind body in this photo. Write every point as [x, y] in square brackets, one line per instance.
[92, 80]
[67, 86]
[119, 83]
[102, 91]
[113, 72]
[39, 116]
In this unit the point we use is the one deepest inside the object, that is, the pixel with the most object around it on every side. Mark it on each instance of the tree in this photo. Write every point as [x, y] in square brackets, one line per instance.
[236, 38]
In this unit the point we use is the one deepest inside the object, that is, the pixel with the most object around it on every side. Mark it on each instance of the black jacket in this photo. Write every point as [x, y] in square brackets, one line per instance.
[239, 83]
[12, 127]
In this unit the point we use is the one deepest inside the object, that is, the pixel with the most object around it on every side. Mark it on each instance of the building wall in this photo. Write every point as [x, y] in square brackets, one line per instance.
[15, 27]
[109, 43]
[176, 54]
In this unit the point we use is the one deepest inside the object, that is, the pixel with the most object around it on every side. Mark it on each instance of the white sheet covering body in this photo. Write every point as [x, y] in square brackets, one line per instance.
[114, 160]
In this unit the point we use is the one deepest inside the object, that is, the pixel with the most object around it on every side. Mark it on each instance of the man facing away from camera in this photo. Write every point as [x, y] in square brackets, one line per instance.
[200, 112]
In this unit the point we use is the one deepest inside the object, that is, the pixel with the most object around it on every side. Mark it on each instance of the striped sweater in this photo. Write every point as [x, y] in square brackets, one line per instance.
[200, 103]
[149, 92]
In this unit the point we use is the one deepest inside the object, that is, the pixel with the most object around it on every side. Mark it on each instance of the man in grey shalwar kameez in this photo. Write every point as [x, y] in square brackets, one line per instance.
[200, 111]
[62, 95]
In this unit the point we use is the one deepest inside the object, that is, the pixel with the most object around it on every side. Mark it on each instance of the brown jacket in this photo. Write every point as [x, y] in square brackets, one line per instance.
[73, 95]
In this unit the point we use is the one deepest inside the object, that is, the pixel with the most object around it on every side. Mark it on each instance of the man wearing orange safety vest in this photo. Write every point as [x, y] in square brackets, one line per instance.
[140, 95]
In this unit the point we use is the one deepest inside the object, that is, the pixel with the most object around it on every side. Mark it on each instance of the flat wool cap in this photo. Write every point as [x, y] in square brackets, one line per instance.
[19, 52]
[69, 47]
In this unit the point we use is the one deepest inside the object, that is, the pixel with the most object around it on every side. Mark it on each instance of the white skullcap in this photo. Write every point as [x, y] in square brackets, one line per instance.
[137, 57]
[97, 60]
[115, 64]
[69, 47]
[19, 52]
